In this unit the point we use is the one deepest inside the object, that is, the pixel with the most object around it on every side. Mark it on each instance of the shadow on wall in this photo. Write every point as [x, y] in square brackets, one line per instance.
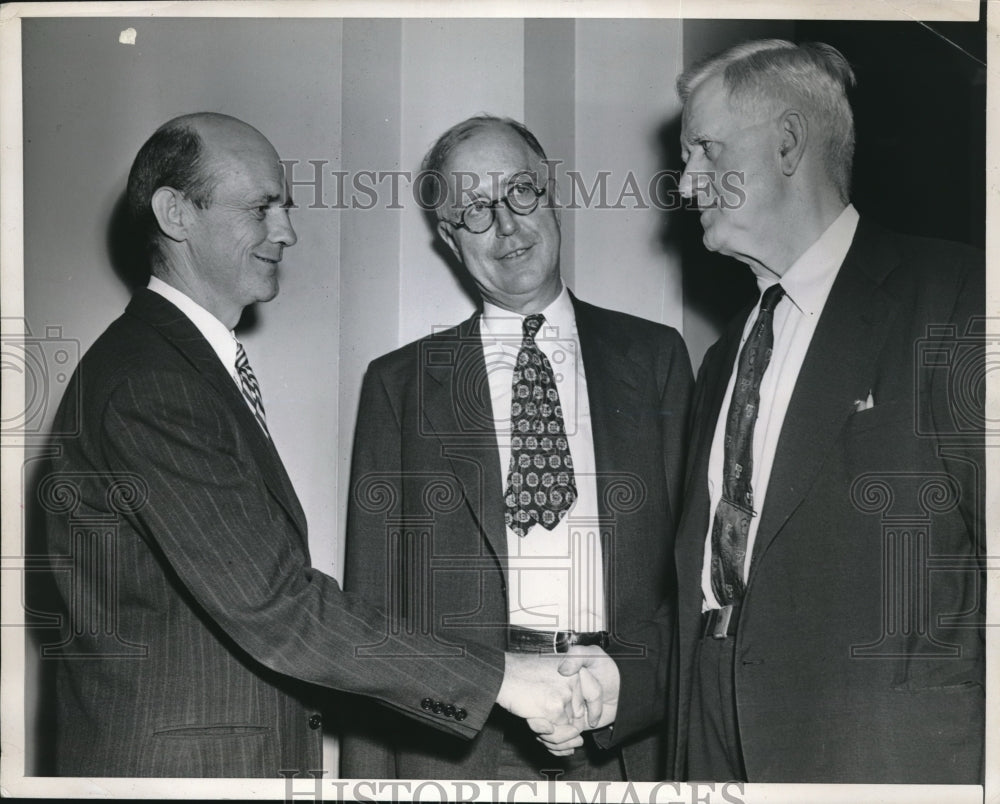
[126, 250]
[715, 287]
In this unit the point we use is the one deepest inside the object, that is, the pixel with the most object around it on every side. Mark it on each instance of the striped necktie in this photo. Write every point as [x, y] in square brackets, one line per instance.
[250, 386]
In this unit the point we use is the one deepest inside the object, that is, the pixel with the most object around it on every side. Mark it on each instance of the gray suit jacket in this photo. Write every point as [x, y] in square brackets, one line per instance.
[426, 535]
[197, 632]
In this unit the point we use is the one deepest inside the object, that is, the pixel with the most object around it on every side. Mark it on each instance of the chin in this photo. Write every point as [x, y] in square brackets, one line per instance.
[269, 293]
[713, 241]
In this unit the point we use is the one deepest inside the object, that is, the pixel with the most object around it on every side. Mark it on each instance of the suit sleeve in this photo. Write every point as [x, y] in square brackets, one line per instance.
[648, 687]
[211, 519]
[958, 414]
[958, 400]
[366, 742]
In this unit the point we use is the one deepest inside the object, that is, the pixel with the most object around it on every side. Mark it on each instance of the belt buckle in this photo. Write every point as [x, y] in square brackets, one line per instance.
[721, 622]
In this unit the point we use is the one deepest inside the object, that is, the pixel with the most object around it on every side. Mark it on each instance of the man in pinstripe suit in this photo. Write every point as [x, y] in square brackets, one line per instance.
[197, 631]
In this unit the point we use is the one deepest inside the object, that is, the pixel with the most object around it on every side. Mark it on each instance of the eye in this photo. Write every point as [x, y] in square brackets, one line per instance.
[478, 212]
[522, 192]
[260, 212]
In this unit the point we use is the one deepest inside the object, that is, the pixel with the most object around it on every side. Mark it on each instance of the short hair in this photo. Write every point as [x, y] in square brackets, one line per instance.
[814, 76]
[173, 157]
[434, 161]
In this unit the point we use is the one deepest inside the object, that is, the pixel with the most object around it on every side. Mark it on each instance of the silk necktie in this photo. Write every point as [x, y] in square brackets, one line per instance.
[250, 386]
[735, 509]
[541, 487]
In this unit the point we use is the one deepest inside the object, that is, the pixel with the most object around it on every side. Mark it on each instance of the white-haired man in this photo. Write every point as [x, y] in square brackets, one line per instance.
[835, 452]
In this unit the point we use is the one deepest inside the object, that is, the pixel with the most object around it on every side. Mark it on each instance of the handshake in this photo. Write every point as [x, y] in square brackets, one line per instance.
[561, 695]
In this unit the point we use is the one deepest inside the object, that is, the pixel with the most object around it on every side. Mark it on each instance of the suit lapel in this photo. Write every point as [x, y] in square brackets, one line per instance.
[457, 411]
[185, 337]
[712, 383]
[838, 369]
[614, 381]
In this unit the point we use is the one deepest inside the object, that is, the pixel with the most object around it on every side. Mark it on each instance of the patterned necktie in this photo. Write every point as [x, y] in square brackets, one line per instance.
[540, 484]
[732, 516]
[250, 386]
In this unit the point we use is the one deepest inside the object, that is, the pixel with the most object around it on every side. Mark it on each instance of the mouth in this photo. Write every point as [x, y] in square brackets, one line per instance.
[515, 253]
[267, 260]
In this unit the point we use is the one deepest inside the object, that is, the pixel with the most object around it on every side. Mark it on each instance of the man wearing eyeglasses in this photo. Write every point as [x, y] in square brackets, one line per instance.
[515, 479]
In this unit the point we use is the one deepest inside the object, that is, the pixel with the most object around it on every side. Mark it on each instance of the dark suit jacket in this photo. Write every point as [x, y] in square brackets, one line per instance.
[426, 534]
[196, 625]
[859, 650]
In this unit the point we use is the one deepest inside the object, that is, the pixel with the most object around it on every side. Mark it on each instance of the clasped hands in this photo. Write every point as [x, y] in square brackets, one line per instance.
[561, 695]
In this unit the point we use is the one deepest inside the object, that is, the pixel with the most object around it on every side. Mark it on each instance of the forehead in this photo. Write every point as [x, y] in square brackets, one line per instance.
[245, 165]
[492, 149]
[707, 108]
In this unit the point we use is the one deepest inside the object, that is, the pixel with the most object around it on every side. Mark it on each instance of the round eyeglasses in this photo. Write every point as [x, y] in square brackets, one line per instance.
[521, 198]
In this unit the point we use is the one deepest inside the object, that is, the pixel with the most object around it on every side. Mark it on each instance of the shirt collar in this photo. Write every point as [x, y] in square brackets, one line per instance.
[496, 322]
[221, 339]
[807, 283]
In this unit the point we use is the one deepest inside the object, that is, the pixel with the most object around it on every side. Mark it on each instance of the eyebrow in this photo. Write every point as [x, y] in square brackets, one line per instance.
[696, 138]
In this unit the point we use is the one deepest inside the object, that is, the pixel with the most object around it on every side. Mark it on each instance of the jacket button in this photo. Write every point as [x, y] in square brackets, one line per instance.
[315, 721]
[438, 707]
[449, 711]
[426, 704]
[461, 714]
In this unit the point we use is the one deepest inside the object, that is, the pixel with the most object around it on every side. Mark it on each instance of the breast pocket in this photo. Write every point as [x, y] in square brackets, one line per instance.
[882, 438]
[888, 415]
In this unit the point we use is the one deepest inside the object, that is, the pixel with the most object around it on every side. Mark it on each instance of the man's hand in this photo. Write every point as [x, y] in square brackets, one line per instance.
[599, 682]
[533, 689]
[529, 691]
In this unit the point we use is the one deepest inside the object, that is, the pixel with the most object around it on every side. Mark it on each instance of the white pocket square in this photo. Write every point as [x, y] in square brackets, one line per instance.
[864, 404]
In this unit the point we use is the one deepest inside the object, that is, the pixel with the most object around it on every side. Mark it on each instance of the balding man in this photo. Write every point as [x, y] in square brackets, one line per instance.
[836, 458]
[219, 627]
[534, 458]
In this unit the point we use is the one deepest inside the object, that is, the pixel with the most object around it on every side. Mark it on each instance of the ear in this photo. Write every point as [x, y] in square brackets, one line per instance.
[448, 235]
[794, 132]
[172, 212]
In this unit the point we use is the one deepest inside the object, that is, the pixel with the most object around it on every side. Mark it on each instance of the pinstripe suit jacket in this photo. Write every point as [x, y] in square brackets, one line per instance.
[426, 535]
[196, 627]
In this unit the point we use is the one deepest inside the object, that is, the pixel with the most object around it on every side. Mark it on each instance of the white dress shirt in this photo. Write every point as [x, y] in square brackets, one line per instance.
[219, 337]
[807, 285]
[556, 577]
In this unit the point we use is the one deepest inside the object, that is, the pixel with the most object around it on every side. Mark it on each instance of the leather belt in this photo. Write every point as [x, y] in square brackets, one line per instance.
[720, 623]
[529, 640]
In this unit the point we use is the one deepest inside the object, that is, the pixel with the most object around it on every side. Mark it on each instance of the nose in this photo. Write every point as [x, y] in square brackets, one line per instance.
[506, 221]
[281, 230]
[686, 185]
